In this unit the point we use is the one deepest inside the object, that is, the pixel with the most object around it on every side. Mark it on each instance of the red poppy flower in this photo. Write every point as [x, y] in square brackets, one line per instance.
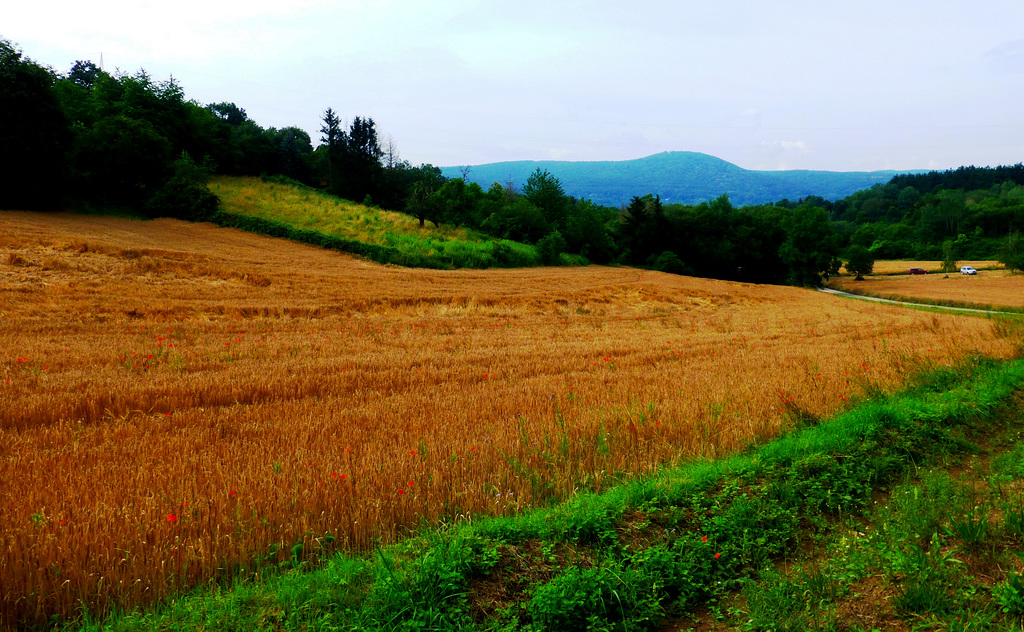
[718, 555]
[172, 518]
[704, 539]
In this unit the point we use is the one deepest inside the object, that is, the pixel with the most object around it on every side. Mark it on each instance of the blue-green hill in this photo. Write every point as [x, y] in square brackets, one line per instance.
[681, 177]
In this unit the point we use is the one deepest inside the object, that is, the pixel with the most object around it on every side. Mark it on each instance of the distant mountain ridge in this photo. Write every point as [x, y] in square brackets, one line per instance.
[681, 177]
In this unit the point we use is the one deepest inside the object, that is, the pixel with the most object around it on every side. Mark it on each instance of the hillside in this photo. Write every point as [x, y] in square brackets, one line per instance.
[679, 177]
[199, 401]
[309, 216]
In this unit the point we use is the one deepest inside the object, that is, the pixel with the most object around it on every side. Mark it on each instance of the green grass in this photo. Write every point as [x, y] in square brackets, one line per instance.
[310, 216]
[918, 497]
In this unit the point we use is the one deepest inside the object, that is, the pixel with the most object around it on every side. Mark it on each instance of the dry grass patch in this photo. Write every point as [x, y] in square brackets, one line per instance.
[176, 398]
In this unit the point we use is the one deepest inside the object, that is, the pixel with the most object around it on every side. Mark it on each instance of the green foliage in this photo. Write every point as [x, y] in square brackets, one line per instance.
[427, 592]
[602, 598]
[810, 247]
[456, 202]
[423, 202]
[971, 528]
[586, 231]
[351, 166]
[1011, 253]
[544, 191]
[949, 259]
[1009, 594]
[644, 229]
[859, 261]
[669, 262]
[35, 133]
[519, 220]
[403, 250]
[802, 602]
[185, 195]
[122, 160]
[551, 247]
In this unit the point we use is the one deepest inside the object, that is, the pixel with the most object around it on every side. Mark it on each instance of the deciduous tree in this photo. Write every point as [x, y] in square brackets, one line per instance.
[34, 133]
[810, 247]
[859, 261]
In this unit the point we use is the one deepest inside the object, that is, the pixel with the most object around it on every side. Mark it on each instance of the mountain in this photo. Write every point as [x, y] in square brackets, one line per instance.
[682, 177]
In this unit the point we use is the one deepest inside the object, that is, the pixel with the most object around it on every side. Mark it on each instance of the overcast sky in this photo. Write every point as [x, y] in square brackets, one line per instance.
[839, 85]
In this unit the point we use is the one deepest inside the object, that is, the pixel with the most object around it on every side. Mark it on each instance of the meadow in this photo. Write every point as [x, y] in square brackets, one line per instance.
[992, 288]
[182, 403]
[398, 234]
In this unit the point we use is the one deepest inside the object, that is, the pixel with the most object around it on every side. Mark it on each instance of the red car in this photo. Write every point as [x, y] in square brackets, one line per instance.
[918, 271]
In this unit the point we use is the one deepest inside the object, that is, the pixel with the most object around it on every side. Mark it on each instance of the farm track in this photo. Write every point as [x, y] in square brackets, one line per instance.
[969, 310]
[992, 288]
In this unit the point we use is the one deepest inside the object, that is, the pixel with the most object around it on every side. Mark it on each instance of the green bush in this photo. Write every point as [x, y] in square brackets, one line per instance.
[430, 591]
[1009, 594]
[185, 195]
[551, 247]
[603, 598]
[669, 262]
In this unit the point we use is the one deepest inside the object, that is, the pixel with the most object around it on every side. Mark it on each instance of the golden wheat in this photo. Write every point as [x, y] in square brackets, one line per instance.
[996, 288]
[179, 399]
[901, 267]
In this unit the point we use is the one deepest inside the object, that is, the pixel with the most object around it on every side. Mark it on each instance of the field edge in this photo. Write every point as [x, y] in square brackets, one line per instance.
[696, 532]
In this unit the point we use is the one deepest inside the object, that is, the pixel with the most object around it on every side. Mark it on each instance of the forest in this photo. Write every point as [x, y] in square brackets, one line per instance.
[93, 141]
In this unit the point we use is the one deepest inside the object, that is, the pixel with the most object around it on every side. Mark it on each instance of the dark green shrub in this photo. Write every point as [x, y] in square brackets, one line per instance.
[595, 599]
[429, 592]
[185, 195]
[1009, 594]
[551, 247]
[669, 262]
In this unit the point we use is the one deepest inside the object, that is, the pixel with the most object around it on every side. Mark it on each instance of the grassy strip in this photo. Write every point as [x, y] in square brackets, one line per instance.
[405, 251]
[290, 210]
[630, 558]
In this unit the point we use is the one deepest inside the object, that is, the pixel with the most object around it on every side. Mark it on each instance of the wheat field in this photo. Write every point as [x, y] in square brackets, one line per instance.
[896, 266]
[181, 401]
[989, 288]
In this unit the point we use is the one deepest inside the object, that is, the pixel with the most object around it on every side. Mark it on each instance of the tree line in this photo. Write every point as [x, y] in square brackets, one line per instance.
[88, 138]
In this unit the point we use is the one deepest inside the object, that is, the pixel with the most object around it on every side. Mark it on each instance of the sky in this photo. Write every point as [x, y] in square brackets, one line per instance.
[838, 85]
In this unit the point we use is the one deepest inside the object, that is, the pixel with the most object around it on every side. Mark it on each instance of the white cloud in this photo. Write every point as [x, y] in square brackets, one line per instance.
[795, 145]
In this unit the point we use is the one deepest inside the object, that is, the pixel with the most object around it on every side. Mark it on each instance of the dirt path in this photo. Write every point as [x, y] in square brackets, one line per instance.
[828, 290]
